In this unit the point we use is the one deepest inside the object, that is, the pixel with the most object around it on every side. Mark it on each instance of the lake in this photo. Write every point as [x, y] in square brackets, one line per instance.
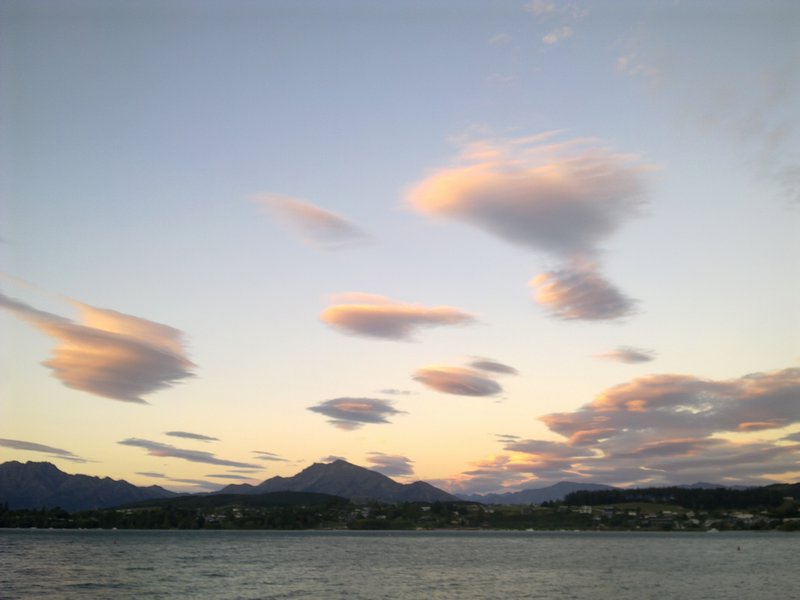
[398, 565]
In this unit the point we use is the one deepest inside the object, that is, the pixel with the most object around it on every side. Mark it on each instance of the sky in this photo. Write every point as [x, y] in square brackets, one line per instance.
[491, 245]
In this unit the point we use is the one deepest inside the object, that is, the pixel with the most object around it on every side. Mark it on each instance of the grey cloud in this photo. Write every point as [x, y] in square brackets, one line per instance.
[151, 474]
[34, 447]
[374, 316]
[580, 292]
[352, 413]
[491, 366]
[269, 456]
[457, 380]
[109, 354]
[192, 436]
[229, 476]
[332, 458]
[198, 456]
[391, 465]
[321, 227]
[195, 483]
[395, 392]
[628, 354]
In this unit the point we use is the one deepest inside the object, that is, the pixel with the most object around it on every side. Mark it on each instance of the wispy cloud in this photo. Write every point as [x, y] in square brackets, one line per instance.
[627, 354]
[313, 224]
[192, 436]
[558, 34]
[658, 430]
[395, 392]
[109, 354]
[559, 13]
[230, 476]
[197, 456]
[268, 456]
[352, 413]
[391, 465]
[151, 474]
[457, 380]
[376, 316]
[579, 291]
[500, 38]
[34, 447]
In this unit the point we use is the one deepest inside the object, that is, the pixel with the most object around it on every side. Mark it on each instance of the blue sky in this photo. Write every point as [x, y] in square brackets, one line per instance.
[403, 233]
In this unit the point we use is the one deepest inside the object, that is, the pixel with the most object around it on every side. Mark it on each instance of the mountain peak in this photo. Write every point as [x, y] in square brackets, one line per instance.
[341, 478]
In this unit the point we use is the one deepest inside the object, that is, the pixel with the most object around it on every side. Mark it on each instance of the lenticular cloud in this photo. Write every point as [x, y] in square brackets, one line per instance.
[374, 316]
[563, 199]
[108, 353]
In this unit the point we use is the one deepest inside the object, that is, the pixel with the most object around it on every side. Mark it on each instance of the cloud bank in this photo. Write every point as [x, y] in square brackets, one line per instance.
[108, 353]
[660, 430]
[197, 456]
[352, 413]
[374, 316]
[311, 223]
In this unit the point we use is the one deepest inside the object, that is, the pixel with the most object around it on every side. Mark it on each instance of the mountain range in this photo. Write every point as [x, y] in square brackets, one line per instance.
[36, 485]
[550, 493]
[41, 484]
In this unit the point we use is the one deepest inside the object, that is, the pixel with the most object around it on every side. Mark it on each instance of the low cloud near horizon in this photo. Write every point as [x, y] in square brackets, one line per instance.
[34, 447]
[391, 465]
[658, 430]
[109, 353]
[191, 436]
[197, 456]
[374, 316]
[268, 456]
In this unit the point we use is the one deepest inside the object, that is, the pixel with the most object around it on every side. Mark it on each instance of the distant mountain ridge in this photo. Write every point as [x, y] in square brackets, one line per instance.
[43, 485]
[340, 478]
[550, 493]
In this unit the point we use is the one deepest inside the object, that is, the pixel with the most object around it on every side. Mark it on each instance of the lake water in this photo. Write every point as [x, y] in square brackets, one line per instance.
[398, 565]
